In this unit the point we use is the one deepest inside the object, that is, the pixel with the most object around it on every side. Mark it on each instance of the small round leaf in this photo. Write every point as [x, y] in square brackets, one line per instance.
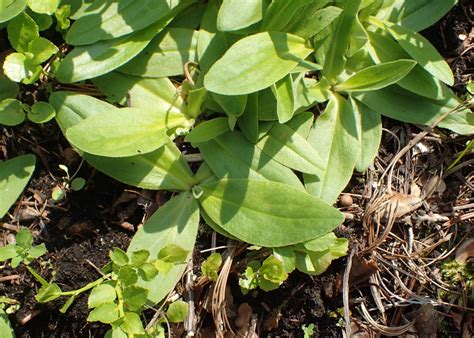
[11, 112]
[41, 112]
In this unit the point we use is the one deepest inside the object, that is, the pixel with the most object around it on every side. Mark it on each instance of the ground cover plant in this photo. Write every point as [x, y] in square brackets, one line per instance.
[251, 116]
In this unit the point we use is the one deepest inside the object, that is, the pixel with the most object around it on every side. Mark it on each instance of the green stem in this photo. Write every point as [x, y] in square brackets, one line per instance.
[118, 290]
[35, 274]
[86, 287]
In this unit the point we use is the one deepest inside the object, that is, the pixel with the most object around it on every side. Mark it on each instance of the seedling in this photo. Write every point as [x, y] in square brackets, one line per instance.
[210, 267]
[69, 183]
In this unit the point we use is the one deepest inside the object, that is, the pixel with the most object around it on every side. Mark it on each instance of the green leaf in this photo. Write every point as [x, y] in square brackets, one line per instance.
[42, 49]
[123, 132]
[151, 94]
[172, 253]
[377, 76]
[422, 52]
[101, 294]
[14, 176]
[314, 22]
[272, 270]
[233, 106]
[267, 56]
[132, 324]
[212, 44]
[315, 262]
[8, 89]
[285, 96]
[175, 222]
[78, 183]
[147, 271]
[24, 238]
[235, 14]
[10, 9]
[106, 313]
[280, 12]
[44, 7]
[11, 112]
[41, 112]
[62, 16]
[135, 297]
[165, 55]
[248, 121]
[211, 265]
[177, 311]
[6, 330]
[416, 15]
[163, 169]
[291, 149]
[18, 67]
[118, 19]
[340, 38]
[72, 108]
[384, 49]
[21, 30]
[302, 123]
[58, 193]
[336, 139]
[267, 213]
[8, 252]
[400, 104]
[90, 61]
[119, 257]
[231, 155]
[208, 130]
[48, 293]
[139, 258]
[370, 132]
[36, 252]
[127, 275]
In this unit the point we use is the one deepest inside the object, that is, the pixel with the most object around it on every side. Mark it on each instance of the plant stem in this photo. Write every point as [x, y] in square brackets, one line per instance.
[86, 287]
[35, 274]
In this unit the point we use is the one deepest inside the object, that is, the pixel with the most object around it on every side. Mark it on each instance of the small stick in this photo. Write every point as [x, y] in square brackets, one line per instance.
[190, 322]
[345, 293]
[9, 278]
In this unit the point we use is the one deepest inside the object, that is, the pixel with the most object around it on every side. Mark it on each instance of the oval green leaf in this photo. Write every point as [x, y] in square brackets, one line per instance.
[255, 63]
[232, 155]
[175, 222]
[267, 213]
[287, 146]
[423, 52]
[87, 62]
[208, 130]
[165, 55]
[117, 19]
[123, 132]
[377, 76]
[14, 176]
[402, 105]
[11, 8]
[11, 112]
[336, 139]
[236, 14]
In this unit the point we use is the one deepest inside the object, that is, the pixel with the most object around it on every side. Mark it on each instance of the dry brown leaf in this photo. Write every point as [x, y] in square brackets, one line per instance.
[465, 252]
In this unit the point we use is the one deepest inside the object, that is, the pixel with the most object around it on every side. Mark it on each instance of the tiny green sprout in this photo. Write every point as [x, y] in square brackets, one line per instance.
[267, 276]
[69, 183]
[23, 251]
[211, 265]
[308, 330]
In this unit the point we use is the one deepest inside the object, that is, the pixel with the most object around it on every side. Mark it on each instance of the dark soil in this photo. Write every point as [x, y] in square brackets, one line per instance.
[80, 230]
